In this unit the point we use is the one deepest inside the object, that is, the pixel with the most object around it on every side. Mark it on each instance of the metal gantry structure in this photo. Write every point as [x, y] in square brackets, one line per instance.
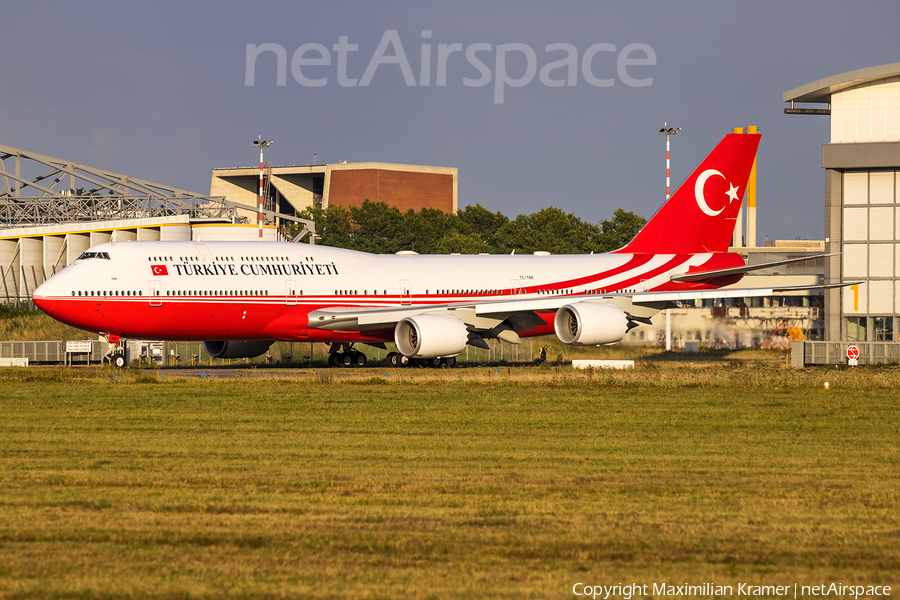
[35, 192]
[42, 190]
[51, 210]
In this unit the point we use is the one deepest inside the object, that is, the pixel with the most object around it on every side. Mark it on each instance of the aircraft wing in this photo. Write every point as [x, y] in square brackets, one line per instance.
[523, 313]
[704, 275]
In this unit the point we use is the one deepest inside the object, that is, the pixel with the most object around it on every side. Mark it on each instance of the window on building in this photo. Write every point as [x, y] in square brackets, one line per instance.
[883, 329]
[856, 329]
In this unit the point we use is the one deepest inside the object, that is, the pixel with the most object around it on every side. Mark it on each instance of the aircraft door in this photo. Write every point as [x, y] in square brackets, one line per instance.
[515, 287]
[155, 293]
[405, 295]
[205, 254]
[290, 292]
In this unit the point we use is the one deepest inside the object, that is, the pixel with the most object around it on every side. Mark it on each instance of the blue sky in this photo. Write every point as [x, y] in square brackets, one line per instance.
[157, 91]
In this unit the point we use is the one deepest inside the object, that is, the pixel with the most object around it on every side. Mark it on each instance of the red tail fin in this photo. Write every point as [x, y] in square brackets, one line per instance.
[701, 215]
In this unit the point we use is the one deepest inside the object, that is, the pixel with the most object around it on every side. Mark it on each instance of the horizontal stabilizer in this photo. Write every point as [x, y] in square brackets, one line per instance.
[704, 275]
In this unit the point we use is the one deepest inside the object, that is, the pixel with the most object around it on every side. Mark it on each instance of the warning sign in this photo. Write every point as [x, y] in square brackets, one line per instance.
[852, 355]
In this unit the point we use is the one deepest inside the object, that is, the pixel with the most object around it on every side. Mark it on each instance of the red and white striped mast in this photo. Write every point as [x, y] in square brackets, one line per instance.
[668, 132]
[261, 143]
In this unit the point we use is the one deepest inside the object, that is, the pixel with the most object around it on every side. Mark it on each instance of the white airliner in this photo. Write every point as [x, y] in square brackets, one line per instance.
[239, 297]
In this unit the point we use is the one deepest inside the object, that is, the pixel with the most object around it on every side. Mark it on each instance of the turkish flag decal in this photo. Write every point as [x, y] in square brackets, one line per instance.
[159, 270]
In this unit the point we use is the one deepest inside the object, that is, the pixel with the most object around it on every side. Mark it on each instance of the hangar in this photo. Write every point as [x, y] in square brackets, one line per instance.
[295, 188]
[862, 199]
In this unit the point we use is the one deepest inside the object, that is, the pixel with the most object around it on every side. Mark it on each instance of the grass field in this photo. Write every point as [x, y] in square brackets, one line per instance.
[445, 484]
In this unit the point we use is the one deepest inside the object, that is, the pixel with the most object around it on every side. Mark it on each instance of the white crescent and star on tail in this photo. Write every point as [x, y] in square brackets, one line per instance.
[732, 193]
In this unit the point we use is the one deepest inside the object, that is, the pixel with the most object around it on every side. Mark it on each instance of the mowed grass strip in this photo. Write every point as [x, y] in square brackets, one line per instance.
[442, 488]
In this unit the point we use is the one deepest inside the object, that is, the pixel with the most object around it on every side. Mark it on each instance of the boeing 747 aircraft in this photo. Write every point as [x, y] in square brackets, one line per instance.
[239, 297]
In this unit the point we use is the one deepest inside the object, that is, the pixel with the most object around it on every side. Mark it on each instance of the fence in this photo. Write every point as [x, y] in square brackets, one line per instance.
[52, 352]
[835, 353]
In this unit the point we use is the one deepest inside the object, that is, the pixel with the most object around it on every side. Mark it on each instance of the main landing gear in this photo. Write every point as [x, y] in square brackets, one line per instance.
[345, 355]
[395, 359]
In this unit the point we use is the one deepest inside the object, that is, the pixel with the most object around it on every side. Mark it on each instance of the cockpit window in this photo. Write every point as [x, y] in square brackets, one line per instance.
[87, 255]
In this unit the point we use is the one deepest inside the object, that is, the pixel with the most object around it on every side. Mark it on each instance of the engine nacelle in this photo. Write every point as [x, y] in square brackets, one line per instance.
[430, 336]
[237, 348]
[589, 324]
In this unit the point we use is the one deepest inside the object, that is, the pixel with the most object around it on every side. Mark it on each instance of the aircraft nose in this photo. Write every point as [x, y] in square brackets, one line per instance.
[43, 299]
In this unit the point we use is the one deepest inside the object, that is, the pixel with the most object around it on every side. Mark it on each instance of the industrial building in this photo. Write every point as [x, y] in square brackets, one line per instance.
[295, 188]
[862, 198]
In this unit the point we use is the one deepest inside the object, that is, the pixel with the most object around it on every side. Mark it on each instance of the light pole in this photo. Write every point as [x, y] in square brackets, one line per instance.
[261, 143]
[668, 132]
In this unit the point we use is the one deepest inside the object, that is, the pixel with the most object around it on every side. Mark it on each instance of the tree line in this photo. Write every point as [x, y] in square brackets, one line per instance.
[381, 229]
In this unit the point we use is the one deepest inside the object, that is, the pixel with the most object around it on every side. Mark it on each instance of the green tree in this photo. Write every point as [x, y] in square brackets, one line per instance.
[381, 229]
[619, 230]
[548, 230]
[427, 227]
[457, 242]
[482, 223]
[333, 226]
[378, 228]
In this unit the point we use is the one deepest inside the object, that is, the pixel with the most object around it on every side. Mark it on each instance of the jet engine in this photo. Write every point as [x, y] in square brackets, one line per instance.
[430, 336]
[237, 348]
[589, 324]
